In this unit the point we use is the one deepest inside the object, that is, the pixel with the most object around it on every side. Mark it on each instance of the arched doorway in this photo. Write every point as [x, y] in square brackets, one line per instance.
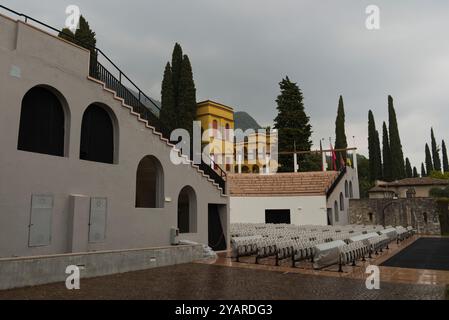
[187, 210]
[150, 183]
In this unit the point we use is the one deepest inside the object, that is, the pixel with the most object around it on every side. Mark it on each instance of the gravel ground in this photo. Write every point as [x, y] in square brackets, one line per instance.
[209, 282]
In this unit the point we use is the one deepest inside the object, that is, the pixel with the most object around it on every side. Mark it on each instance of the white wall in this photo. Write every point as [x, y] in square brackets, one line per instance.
[46, 60]
[252, 209]
[351, 175]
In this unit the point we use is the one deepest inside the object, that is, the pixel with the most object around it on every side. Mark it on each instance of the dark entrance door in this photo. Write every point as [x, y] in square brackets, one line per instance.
[278, 216]
[217, 238]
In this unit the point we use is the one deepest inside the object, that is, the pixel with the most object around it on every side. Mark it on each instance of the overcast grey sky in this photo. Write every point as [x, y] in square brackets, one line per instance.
[241, 49]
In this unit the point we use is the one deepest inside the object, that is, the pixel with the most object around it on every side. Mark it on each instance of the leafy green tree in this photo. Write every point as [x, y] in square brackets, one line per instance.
[415, 173]
[429, 163]
[408, 169]
[292, 123]
[386, 153]
[340, 133]
[435, 153]
[445, 158]
[375, 157]
[397, 156]
[364, 175]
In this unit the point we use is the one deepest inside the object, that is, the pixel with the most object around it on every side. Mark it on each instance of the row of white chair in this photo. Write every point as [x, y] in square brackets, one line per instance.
[353, 252]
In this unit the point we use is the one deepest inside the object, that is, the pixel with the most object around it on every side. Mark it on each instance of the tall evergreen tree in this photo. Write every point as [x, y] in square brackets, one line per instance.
[386, 153]
[408, 169]
[375, 158]
[84, 36]
[292, 124]
[445, 158]
[435, 153]
[168, 112]
[423, 170]
[187, 96]
[397, 156]
[429, 163]
[415, 173]
[176, 64]
[340, 133]
[178, 100]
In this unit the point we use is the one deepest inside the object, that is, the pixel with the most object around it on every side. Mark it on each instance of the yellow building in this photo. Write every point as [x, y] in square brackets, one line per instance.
[217, 118]
[232, 156]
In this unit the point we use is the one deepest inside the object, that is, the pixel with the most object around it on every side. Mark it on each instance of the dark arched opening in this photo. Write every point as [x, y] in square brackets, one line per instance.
[150, 183]
[187, 211]
[97, 135]
[42, 123]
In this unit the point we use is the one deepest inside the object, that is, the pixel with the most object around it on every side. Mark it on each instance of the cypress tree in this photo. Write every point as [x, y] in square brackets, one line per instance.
[435, 153]
[186, 96]
[84, 36]
[397, 156]
[445, 158]
[177, 58]
[386, 153]
[375, 159]
[423, 170]
[292, 124]
[415, 173]
[178, 93]
[408, 169]
[340, 133]
[429, 163]
[168, 114]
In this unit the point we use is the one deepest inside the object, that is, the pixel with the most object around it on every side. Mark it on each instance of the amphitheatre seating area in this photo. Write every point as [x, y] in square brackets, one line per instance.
[322, 245]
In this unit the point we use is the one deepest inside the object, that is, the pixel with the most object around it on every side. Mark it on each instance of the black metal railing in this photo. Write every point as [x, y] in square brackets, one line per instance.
[131, 93]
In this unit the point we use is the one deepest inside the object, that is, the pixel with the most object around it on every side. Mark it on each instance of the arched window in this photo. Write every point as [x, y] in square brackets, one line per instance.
[371, 217]
[150, 184]
[97, 135]
[42, 123]
[337, 213]
[228, 134]
[256, 169]
[245, 169]
[346, 189]
[215, 128]
[245, 154]
[187, 211]
[351, 190]
[342, 202]
[426, 218]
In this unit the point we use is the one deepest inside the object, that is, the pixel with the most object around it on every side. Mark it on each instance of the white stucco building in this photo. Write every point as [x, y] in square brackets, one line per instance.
[81, 168]
[311, 198]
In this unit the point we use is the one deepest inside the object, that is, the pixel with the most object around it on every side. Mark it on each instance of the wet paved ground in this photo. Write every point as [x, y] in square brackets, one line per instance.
[211, 282]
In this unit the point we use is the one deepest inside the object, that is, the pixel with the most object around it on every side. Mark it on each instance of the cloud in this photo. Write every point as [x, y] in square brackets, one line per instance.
[240, 50]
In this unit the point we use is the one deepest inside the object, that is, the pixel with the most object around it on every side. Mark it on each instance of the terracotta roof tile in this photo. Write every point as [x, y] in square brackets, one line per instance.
[282, 184]
[411, 182]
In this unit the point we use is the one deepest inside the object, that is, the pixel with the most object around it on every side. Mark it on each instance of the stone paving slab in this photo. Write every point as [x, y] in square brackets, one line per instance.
[210, 282]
